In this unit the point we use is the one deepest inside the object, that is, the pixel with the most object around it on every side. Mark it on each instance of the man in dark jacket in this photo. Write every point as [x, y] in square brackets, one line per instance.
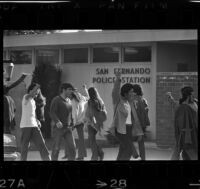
[185, 125]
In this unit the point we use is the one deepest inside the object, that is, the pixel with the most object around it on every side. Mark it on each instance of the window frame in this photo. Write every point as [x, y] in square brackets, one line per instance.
[76, 47]
[136, 45]
[20, 49]
[106, 45]
[47, 48]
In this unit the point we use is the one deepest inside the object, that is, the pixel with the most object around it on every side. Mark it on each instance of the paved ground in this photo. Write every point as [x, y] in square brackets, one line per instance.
[152, 153]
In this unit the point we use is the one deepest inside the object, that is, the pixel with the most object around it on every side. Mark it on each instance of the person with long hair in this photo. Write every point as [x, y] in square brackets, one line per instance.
[40, 102]
[140, 117]
[79, 103]
[185, 125]
[94, 107]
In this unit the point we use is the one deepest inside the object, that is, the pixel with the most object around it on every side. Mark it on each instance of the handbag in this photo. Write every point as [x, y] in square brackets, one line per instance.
[101, 116]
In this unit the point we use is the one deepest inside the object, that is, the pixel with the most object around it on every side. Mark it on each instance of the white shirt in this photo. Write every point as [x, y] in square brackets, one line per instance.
[78, 110]
[128, 120]
[28, 118]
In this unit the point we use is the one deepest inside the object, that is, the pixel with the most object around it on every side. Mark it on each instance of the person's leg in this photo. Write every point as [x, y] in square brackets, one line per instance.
[125, 148]
[129, 133]
[92, 140]
[100, 152]
[141, 147]
[121, 146]
[81, 142]
[57, 137]
[25, 139]
[185, 155]
[70, 144]
[66, 152]
[40, 144]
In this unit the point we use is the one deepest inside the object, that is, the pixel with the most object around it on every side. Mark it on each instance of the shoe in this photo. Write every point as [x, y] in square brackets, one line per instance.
[79, 159]
[101, 156]
[64, 157]
[138, 158]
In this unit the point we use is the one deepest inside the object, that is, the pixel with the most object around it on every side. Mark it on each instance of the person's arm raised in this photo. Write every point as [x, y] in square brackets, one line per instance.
[116, 88]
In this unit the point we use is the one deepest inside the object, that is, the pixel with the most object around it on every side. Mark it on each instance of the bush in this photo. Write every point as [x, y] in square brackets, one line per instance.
[49, 78]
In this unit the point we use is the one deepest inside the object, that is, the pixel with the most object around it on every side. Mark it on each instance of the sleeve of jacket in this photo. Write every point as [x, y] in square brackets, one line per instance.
[14, 84]
[116, 91]
[53, 110]
[6, 116]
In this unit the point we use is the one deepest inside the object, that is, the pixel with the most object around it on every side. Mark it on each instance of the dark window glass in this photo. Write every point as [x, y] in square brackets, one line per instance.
[137, 54]
[105, 54]
[21, 56]
[47, 56]
[76, 55]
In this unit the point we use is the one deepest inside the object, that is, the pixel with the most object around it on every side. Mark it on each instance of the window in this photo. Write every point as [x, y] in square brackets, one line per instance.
[21, 56]
[106, 54]
[76, 55]
[47, 56]
[137, 54]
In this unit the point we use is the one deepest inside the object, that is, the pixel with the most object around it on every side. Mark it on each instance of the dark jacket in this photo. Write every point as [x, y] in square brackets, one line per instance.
[142, 112]
[186, 127]
[94, 116]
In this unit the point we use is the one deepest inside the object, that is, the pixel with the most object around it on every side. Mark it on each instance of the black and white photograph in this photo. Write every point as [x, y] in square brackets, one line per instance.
[100, 95]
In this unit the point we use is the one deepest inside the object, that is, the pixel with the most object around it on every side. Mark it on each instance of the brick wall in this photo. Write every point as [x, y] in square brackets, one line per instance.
[170, 82]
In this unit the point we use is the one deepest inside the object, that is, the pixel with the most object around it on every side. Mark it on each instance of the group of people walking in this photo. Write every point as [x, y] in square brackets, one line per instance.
[72, 110]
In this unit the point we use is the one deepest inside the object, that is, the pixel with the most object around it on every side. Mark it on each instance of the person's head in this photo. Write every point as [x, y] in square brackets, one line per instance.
[93, 93]
[137, 89]
[95, 98]
[40, 98]
[127, 91]
[33, 89]
[75, 96]
[187, 94]
[67, 89]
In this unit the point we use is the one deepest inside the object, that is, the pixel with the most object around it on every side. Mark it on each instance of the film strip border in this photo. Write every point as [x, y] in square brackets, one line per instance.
[107, 14]
[97, 175]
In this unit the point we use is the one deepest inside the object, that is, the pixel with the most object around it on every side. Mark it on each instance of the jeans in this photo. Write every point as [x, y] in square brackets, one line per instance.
[125, 147]
[80, 143]
[96, 149]
[140, 143]
[34, 134]
[66, 133]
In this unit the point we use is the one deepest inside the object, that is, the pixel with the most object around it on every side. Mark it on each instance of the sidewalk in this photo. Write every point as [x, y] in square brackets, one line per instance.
[104, 143]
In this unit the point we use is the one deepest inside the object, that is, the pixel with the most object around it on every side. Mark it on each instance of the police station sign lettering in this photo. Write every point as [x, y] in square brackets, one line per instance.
[128, 75]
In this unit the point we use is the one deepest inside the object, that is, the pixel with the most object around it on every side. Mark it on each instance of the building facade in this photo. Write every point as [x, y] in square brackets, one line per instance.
[159, 60]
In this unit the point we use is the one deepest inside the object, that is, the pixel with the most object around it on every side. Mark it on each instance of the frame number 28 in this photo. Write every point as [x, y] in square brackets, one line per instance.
[118, 184]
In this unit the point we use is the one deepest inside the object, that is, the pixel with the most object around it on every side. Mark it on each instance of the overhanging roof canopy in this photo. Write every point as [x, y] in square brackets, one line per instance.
[106, 36]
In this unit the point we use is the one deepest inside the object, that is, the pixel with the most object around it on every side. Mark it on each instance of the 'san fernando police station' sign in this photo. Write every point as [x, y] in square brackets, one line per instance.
[128, 75]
